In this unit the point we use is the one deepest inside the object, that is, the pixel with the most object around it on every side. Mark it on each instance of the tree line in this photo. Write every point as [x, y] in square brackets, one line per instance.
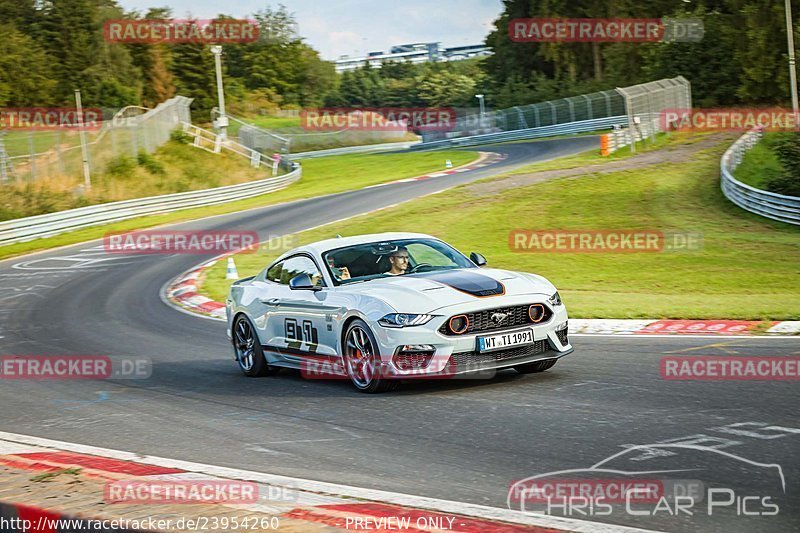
[50, 47]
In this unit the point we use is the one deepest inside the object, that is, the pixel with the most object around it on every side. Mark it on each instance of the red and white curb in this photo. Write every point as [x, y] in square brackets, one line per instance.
[184, 292]
[681, 327]
[315, 501]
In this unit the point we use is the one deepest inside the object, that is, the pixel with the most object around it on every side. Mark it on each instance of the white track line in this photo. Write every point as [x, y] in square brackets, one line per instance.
[406, 500]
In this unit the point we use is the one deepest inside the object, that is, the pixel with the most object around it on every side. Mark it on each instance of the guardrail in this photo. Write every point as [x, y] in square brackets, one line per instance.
[764, 203]
[29, 228]
[580, 126]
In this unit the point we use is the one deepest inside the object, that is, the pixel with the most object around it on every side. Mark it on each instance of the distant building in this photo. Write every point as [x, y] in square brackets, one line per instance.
[414, 53]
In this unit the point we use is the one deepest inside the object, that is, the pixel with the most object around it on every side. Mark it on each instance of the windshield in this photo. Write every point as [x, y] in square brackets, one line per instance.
[392, 258]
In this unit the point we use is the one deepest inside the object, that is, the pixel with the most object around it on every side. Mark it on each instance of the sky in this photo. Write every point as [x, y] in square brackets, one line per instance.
[354, 27]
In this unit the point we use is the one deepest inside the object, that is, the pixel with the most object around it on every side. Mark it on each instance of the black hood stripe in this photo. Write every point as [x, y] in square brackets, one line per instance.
[467, 281]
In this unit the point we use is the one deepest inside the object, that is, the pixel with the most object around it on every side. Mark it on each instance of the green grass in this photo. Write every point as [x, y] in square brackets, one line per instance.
[760, 164]
[321, 176]
[274, 123]
[748, 267]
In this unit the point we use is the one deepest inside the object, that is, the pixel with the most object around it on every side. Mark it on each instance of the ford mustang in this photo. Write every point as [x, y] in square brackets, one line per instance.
[377, 309]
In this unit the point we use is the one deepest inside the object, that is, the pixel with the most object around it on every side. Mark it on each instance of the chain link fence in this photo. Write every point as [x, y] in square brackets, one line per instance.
[30, 156]
[294, 139]
[645, 104]
[645, 101]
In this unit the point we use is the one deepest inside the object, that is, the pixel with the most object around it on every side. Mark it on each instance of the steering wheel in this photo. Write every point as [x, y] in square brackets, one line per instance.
[417, 267]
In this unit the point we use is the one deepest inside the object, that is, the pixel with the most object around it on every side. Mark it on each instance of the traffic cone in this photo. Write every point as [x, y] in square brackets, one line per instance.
[448, 163]
[232, 273]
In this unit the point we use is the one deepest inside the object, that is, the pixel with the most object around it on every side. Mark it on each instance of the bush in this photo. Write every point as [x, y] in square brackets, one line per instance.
[151, 164]
[787, 148]
[122, 166]
[180, 136]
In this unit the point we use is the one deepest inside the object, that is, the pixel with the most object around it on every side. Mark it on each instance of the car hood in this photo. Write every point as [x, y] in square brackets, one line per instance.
[426, 292]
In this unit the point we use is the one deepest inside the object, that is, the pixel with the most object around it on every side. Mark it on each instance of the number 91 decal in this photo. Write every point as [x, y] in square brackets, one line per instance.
[301, 333]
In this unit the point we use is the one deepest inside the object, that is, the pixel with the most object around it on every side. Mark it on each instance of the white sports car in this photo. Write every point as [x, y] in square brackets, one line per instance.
[381, 308]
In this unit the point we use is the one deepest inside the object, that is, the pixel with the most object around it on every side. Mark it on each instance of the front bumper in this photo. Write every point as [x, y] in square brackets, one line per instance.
[459, 355]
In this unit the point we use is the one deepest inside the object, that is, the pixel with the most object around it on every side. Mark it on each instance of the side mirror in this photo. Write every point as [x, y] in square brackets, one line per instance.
[477, 258]
[302, 282]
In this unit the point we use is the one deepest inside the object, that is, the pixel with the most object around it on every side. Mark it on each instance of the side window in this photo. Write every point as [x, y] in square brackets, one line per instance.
[300, 264]
[274, 272]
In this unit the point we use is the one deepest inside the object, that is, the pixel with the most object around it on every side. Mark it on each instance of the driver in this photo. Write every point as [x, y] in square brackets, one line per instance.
[399, 261]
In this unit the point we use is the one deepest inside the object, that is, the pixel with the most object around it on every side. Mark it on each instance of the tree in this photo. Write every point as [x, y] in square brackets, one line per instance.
[24, 70]
[70, 33]
[446, 89]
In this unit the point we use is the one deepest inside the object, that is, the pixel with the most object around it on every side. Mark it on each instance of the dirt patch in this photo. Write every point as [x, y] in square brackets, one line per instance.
[672, 154]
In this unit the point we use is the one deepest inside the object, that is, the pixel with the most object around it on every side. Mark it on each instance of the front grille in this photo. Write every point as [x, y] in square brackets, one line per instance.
[412, 360]
[481, 321]
[469, 359]
[562, 336]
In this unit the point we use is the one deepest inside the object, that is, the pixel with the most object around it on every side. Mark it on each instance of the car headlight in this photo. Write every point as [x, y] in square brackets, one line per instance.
[555, 300]
[401, 320]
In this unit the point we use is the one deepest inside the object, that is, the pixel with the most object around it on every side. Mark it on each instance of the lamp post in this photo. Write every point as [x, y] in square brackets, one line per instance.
[222, 119]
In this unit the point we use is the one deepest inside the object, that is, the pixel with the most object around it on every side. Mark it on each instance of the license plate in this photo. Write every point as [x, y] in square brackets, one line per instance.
[505, 340]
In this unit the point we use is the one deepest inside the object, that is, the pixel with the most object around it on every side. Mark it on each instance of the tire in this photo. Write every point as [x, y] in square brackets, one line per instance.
[361, 359]
[248, 351]
[535, 367]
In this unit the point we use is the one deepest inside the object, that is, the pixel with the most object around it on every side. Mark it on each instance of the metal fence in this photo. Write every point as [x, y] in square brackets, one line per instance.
[645, 103]
[29, 228]
[295, 139]
[570, 128]
[767, 204]
[38, 155]
[638, 103]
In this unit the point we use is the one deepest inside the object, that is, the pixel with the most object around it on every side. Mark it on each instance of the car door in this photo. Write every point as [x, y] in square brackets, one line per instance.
[300, 322]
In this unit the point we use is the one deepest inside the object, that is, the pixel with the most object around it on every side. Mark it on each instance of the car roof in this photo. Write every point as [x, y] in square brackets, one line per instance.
[320, 247]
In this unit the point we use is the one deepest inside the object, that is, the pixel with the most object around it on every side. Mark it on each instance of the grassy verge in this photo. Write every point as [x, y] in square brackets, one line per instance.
[320, 176]
[747, 268]
[760, 164]
[174, 167]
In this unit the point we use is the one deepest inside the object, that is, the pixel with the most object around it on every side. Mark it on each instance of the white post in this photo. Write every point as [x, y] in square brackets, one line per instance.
[3, 159]
[87, 179]
[792, 69]
[222, 120]
[480, 102]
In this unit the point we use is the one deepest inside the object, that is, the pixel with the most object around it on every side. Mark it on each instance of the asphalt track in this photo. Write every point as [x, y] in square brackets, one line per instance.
[464, 440]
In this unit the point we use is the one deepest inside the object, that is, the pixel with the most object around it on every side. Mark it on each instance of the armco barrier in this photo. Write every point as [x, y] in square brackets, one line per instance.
[764, 203]
[29, 228]
[580, 126]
